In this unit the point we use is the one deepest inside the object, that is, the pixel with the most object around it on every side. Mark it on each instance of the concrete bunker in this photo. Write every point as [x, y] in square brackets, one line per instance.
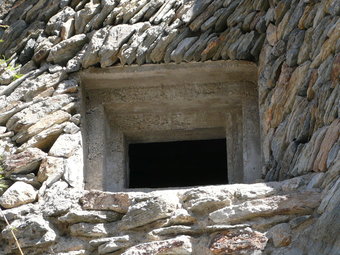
[126, 106]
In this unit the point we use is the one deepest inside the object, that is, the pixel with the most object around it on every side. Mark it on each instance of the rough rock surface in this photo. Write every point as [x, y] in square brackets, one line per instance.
[297, 48]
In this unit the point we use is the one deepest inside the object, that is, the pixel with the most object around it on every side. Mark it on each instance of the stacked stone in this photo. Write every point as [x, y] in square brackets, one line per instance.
[237, 219]
[297, 47]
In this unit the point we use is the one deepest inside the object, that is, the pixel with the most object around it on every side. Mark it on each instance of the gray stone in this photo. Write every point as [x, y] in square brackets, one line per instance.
[74, 166]
[83, 16]
[97, 200]
[180, 246]
[145, 212]
[93, 230]
[45, 139]
[50, 166]
[27, 53]
[245, 46]
[24, 162]
[114, 244]
[65, 50]
[30, 179]
[297, 204]
[128, 52]
[31, 231]
[116, 37]
[90, 55]
[19, 193]
[77, 216]
[31, 114]
[55, 23]
[32, 87]
[66, 145]
[56, 117]
[280, 234]
[178, 54]
[158, 52]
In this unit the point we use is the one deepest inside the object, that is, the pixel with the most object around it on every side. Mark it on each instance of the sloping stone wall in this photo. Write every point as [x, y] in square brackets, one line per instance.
[296, 45]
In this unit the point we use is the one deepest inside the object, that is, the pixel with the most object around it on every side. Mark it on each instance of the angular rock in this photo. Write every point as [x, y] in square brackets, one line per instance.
[115, 38]
[114, 244]
[24, 162]
[145, 212]
[298, 203]
[30, 88]
[19, 193]
[67, 29]
[50, 166]
[93, 230]
[36, 111]
[280, 234]
[67, 49]
[83, 16]
[55, 23]
[77, 216]
[243, 241]
[180, 246]
[330, 138]
[26, 178]
[45, 139]
[183, 46]
[66, 145]
[98, 200]
[32, 231]
[74, 166]
[90, 55]
[56, 117]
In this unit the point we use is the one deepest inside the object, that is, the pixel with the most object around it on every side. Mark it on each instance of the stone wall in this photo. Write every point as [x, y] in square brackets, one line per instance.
[296, 46]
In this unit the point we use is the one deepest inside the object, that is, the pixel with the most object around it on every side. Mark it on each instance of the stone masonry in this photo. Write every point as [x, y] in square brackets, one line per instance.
[294, 210]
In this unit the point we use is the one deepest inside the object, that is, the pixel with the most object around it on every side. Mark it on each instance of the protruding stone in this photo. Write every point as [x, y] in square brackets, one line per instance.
[241, 241]
[146, 212]
[67, 49]
[300, 203]
[50, 166]
[97, 200]
[180, 246]
[77, 216]
[32, 231]
[19, 193]
[66, 145]
[24, 162]
[280, 234]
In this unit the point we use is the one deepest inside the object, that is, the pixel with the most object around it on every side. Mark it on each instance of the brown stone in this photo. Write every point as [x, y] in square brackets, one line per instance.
[237, 241]
[98, 200]
[271, 34]
[24, 162]
[331, 136]
[335, 73]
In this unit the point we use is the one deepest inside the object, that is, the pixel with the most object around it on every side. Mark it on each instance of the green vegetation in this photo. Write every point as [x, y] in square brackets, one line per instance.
[11, 68]
[3, 185]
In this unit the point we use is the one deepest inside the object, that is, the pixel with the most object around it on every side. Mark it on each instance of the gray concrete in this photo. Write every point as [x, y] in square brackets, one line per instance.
[169, 103]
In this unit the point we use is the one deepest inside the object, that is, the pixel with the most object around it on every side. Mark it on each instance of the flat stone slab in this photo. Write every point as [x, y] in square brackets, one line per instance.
[98, 200]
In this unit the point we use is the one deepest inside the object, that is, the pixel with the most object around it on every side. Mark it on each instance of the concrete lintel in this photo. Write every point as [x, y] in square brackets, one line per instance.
[169, 74]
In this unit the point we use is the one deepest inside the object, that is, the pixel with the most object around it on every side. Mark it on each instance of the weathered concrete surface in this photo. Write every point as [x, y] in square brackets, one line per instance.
[161, 110]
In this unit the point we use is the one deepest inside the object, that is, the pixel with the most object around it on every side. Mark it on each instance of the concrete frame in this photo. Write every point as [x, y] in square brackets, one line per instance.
[168, 102]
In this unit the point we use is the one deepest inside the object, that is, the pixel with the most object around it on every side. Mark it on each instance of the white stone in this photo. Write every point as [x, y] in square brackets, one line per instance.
[180, 245]
[66, 145]
[18, 194]
[73, 174]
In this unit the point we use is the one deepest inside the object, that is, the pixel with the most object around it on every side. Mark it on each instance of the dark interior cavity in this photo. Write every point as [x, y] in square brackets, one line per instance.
[178, 164]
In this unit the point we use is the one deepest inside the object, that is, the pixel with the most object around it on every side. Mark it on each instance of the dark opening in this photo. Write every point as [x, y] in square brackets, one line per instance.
[178, 164]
